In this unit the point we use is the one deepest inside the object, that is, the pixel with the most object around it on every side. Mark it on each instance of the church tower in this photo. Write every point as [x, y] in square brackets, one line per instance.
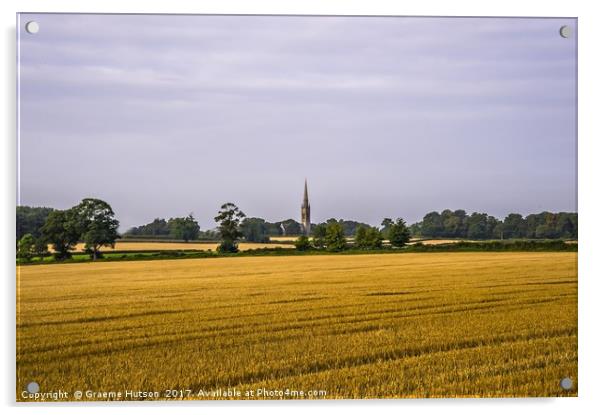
[305, 213]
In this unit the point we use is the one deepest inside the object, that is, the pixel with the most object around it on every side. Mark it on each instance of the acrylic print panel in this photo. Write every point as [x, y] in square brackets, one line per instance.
[297, 207]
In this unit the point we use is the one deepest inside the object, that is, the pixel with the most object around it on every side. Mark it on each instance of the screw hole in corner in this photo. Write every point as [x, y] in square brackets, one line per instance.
[32, 27]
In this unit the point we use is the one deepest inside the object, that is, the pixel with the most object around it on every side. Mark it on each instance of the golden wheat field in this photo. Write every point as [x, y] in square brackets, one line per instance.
[437, 241]
[284, 238]
[353, 326]
[173, 246]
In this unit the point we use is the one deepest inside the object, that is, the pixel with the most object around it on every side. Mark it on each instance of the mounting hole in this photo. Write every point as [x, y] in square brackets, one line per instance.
[32, 27]
[566, 384]
[33, 387]
[566, 31]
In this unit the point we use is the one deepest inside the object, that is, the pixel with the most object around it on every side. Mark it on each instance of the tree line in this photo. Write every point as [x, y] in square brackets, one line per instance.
[185, 228]
[331, 236]
[458, 224]
[92, 221]
[260, 230]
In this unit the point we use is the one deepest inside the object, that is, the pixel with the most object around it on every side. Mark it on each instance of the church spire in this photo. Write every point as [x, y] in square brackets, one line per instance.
[305, 197]
[305, 212]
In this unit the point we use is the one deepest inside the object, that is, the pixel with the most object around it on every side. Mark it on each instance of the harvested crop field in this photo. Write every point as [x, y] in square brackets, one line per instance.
[174, 246]
[437, 241]
[353, 326]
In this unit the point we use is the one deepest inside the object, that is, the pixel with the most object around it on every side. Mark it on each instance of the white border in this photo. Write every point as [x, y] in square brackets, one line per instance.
[590, 134]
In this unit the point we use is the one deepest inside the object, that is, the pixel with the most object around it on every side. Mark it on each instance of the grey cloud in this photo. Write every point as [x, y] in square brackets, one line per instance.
[385, 116]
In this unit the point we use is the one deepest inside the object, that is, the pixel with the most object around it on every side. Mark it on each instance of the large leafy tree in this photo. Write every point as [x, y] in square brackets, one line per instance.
[61, 229]
[368, 237]
[432, 224]
[228, 219]
[96, 224]
[335, 237]
[399, 234]
[184, 228]
[374, 239]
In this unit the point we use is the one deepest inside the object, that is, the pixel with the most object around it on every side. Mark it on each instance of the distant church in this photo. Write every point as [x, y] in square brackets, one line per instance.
[305, 213]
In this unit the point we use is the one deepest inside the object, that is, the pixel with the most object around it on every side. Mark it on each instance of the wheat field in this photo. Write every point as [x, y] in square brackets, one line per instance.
[352, 326]
[284, 238]
[174, 246]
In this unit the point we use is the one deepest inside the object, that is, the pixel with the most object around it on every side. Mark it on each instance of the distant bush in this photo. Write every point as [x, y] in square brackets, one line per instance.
[302, 243]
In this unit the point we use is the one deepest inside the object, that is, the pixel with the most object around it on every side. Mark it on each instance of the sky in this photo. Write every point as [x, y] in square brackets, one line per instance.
[164, 115]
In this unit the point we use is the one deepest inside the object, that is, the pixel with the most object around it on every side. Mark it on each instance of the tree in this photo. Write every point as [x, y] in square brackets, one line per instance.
[319, 234]
[25, 247]
[415, 229]
[494, 227]
[432, 225]
[399, 234]
[566, 225]
[40, 247]
[514, 226]
[454, 223]
[289, 227]
[360, 237]
[368, 238]
[157, 227]
[335, 237]
[229, 218]
[302, 243]
[477, 226]
[186, 228]
[255, 230]
[62, 231]
[96, 224]
[374, 239]
[30, 220]
[349, 226]
[385, 226]
[498, 231]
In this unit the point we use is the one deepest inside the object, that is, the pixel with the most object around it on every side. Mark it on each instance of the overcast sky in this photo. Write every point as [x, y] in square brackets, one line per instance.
[385, 117]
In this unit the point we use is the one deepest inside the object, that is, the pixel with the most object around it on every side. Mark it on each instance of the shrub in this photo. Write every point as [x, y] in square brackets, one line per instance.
[227, 247]
[302, 243]
[25, 247]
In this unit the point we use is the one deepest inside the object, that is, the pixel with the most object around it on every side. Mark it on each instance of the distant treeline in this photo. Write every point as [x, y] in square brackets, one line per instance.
[31, 219]
[92, 222]
[445, 224]
[186, 228]
[458, 224]
[253, 229]
[495, 246]
[259, 230]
